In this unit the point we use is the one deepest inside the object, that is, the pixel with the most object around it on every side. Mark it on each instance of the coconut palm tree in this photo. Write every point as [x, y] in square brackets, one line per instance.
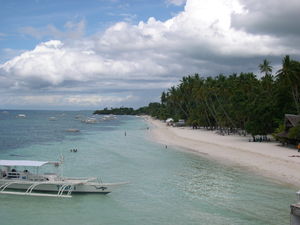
[265, 67]
[290, 75]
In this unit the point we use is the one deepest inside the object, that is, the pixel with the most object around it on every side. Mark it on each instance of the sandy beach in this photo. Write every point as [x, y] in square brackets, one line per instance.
[269, 159]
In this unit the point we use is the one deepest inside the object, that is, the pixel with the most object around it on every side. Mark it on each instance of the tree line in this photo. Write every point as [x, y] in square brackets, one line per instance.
[233, 103]
[117, 111]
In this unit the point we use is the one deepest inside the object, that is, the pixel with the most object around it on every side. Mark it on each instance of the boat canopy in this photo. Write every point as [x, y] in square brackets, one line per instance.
[25, 163]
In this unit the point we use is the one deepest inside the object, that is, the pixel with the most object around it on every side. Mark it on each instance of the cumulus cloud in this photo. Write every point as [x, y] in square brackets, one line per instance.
[53, 63]
[96, 100]
[210, 37]
[271, 17]
[74, 101]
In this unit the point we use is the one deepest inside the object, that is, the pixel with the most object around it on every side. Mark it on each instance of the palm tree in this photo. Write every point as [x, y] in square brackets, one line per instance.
[284, 72]
[265, 67]
[290, 75]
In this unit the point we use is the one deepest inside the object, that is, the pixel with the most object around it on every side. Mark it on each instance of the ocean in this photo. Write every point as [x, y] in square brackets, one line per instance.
[166, 186]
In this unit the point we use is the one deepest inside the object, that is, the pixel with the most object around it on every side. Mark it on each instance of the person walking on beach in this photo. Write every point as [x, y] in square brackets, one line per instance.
[298, 147]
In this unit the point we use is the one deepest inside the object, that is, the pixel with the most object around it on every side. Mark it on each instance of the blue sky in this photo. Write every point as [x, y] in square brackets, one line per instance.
[17, 15]
[72, 54]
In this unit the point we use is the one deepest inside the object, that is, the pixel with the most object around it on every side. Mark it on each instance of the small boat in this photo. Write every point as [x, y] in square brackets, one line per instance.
[21, 116]
[22, 182]
[89, 120]
[109, 117]
[72, 130]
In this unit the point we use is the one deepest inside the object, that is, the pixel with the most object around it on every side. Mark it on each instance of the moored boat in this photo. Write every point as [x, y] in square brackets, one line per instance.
[21, 116]
[22, 182]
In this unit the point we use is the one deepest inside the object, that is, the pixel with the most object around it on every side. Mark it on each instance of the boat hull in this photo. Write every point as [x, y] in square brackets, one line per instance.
[90, 187]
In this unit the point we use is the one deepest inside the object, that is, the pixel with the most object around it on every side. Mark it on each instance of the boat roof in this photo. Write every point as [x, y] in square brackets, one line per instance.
[24, 163]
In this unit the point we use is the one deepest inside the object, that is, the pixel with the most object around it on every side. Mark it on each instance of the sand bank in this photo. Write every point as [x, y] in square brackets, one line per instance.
[269, 159]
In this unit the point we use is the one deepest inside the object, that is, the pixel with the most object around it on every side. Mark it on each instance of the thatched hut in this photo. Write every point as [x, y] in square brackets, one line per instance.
[290, 121]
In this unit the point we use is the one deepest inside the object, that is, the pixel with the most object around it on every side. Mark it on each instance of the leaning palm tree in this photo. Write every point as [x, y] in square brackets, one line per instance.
[290, 74]
[285, 71]
[265, 67]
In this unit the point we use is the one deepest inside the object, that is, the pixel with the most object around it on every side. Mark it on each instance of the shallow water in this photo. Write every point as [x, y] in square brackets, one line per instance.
[167, 186]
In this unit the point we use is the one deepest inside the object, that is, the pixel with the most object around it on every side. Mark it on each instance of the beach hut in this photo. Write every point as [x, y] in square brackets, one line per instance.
[290, 121]
[180, 123]
[169, 121]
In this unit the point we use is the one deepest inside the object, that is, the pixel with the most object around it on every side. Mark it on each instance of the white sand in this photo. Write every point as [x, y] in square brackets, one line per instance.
[269, 159]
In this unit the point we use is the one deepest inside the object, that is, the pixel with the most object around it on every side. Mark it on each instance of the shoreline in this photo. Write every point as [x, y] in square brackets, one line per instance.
[268, 159]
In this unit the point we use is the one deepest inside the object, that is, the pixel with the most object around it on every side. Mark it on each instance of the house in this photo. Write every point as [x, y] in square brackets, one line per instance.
[180, 123]
[290, 121]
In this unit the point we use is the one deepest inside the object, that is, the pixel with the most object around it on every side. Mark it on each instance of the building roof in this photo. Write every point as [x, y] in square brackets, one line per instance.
[293, 119]
[169, 120]
[283, 134]
[22, 163]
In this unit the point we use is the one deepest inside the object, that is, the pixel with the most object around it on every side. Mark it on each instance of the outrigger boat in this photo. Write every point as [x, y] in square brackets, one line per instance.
[23, 182]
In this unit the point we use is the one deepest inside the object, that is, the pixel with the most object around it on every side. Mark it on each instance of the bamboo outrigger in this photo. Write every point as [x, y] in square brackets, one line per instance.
[16, 182]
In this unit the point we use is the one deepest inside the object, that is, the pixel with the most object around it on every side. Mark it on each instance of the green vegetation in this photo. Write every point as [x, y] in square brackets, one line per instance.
[231, 103]
[152, 109]
[117, 111]
[294, 133]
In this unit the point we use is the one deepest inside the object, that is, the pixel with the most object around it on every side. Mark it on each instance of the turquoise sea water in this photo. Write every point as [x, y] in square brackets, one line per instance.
[167, 186]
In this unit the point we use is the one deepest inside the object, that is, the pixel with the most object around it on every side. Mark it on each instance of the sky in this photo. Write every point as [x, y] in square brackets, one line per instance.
[74, 54]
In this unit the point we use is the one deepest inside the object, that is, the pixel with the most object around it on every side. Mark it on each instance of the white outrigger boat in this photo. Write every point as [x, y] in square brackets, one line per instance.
[16, 182]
